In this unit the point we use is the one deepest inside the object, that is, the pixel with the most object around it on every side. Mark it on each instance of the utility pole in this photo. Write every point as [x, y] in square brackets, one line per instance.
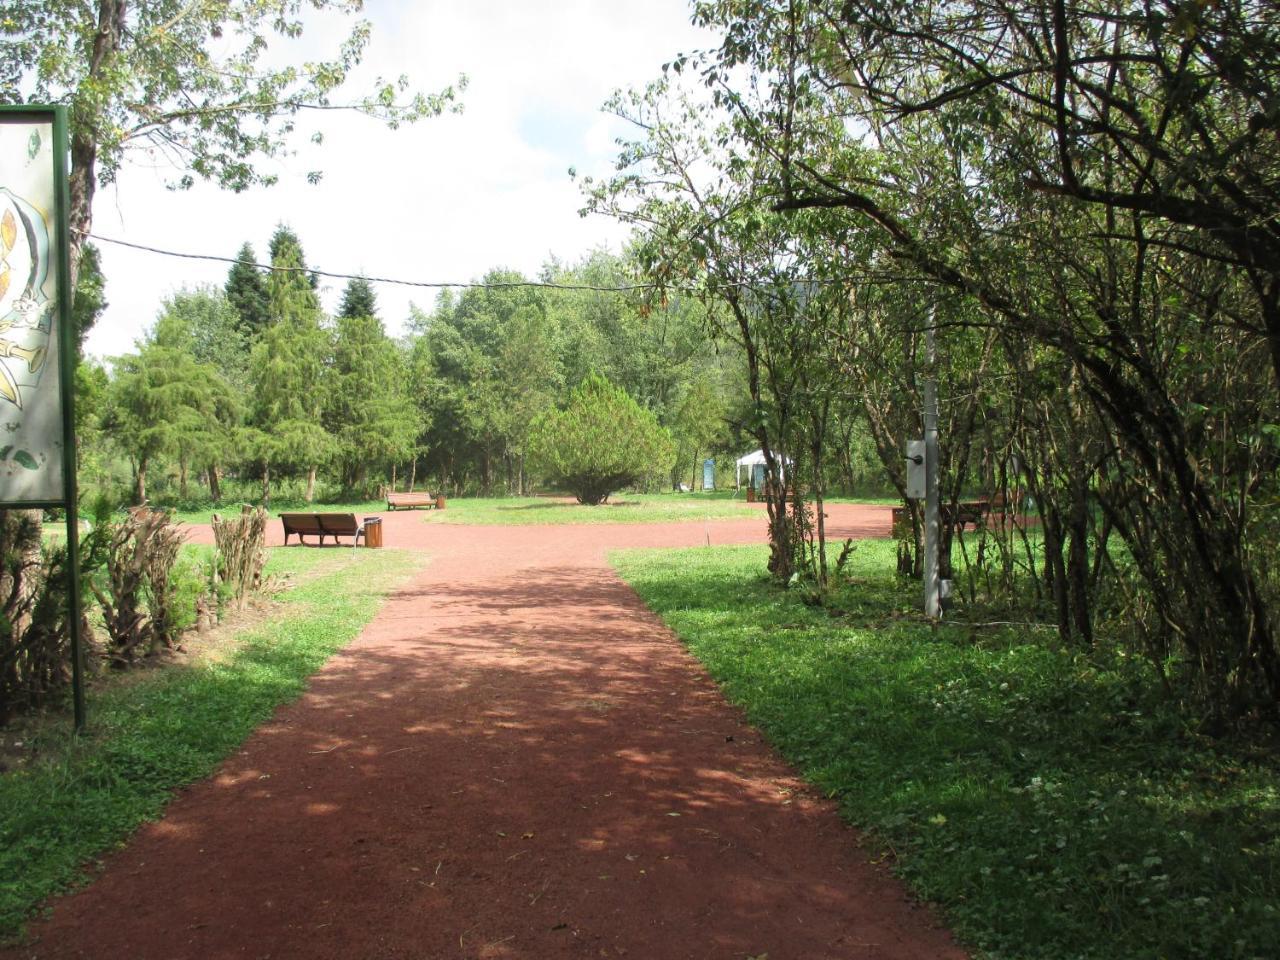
[932, 601]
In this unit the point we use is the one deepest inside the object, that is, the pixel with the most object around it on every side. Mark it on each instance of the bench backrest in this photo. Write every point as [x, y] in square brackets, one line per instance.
[409, 498]
[301, 522]
[336, 523]
[340, 523]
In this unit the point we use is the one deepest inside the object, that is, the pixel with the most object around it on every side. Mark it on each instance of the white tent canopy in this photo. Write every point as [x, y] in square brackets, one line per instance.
[750, 462]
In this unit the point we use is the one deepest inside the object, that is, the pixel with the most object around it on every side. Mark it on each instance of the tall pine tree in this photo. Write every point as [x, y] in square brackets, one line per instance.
[358, 300]
[287, 371]
[368, 410]
[246, 290]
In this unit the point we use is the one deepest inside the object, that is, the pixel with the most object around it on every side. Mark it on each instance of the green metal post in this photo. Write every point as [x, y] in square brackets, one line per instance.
[67, 370]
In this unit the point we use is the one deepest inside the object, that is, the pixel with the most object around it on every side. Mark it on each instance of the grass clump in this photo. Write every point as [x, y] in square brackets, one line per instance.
[149, 735]
[1055, 805]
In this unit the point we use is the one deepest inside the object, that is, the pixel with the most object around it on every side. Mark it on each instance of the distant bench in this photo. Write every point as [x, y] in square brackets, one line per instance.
[420, 499]
[967, 513]
[322, 525]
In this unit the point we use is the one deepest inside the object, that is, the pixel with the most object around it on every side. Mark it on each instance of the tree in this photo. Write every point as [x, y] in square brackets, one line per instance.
[697, 425]
[212, 335]
[246, 291]
[1093, 182]
[199, 84]
[213, 329]
[286, 370]
[368, 410]
[358, 299]
[91, 295]
[602, 441]
[163, 401]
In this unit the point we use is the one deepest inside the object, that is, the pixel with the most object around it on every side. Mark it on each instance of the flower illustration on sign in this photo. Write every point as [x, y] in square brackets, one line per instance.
[25, 314]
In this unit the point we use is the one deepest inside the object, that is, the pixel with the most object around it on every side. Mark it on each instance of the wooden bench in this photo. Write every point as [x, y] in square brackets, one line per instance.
[322, 525]
[968, 513]
[420, 499]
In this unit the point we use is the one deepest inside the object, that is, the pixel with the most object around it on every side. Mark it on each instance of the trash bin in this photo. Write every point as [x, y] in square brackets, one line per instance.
[373, 531]
[440, 501]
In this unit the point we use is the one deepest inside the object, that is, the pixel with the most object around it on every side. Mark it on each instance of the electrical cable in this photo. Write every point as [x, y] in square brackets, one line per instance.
[472, 285]
[497, 284]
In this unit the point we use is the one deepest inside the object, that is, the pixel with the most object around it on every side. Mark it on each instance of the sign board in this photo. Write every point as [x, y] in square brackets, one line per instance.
[37, 403]
[708, 474]
[32, 308]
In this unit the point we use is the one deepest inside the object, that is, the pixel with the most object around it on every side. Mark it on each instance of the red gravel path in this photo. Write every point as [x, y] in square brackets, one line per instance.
[514, 760]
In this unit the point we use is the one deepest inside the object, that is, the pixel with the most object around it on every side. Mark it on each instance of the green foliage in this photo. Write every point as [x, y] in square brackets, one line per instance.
[191, 80]
[600, 442]
[1054, 805]
[358, 300]
[246, 291]
[91, 294]
[1109, 334]
[159, 732]
[164, 401]
[212, 331]
[287, 368]
[368, 409]
[487, 363]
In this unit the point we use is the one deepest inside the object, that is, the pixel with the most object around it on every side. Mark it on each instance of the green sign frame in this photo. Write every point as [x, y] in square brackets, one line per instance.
[54, 116]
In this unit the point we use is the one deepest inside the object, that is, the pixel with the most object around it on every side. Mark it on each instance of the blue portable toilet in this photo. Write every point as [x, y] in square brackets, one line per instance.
[708, 474]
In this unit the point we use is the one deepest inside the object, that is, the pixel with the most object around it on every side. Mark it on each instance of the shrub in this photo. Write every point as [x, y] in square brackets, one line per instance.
[139, 596]
[601, 442]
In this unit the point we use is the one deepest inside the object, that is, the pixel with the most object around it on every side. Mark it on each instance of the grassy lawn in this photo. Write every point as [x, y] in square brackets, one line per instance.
[491, 511]
[1053, 805]
[620, 508]
[152, 732]
[361, 508]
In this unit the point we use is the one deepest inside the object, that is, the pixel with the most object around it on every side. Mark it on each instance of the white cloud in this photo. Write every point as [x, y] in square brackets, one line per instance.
[443, 200]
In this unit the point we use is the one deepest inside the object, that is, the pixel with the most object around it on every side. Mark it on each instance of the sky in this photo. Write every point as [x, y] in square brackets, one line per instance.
[443, 200]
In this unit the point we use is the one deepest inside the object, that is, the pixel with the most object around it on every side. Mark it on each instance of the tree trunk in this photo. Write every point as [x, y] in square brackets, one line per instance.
[266, 484]
[182, 477]
[140, 482]
[393, 477]
[311, 485]
[83, 179]
[215, 483]
[413, 473]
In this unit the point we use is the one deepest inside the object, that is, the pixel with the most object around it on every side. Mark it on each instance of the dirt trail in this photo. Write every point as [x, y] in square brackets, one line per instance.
[514, 760]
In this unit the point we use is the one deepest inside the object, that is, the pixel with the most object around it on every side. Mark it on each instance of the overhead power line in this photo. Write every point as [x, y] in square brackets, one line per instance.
[426, 284]
[493, 284]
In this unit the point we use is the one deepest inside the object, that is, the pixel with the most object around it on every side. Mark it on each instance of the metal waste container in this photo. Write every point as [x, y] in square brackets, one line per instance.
[373, 531]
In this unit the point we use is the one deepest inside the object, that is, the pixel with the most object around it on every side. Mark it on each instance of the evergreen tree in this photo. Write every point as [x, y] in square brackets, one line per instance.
[287, 368]
[164, 402]
[358, 300]
[247, 292]
[369, 411]
[285, 239]
[601, 442]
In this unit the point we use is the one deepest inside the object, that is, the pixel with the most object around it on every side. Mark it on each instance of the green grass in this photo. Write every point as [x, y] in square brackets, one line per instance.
[491, 511]
[359, 507]
[1055, 806]
[150, 734]
[620, 508]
